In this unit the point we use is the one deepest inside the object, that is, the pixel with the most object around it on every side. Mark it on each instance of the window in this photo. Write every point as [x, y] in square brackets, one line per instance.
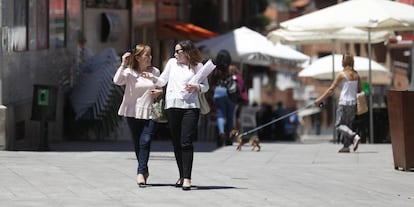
[37, 19]
[41, 25]
[57, 26]
[20, 25]
[38, 24]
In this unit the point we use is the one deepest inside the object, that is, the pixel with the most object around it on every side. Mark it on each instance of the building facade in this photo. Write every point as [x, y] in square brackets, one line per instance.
[40, 48]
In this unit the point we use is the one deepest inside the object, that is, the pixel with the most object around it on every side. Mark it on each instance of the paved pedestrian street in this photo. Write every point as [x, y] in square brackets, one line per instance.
[281, 174]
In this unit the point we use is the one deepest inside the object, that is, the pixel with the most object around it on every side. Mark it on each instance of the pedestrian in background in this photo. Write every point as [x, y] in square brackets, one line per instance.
[243, 100]
[136, 103]
[182, 104]
[85, 53]
[291, 126]
[223, 104]
[264, 116]
[350, 84]
[279, 126]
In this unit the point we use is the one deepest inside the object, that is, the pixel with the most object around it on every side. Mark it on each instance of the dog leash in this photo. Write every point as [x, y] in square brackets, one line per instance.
[278, 119]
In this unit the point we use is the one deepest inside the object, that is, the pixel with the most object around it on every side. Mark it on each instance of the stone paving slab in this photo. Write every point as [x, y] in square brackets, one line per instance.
[282, 174]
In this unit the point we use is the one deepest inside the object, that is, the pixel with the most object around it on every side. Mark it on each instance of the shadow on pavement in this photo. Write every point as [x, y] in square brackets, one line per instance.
[122, 146]
[193, 187]
[212, 187]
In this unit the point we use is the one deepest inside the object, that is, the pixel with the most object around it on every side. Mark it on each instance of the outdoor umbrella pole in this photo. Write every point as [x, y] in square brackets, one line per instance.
[333, 95]
[371, 117]
[382, 15]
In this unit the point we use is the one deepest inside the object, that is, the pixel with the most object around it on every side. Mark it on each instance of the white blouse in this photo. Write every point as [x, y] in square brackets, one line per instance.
[177, 76]
[137, 98]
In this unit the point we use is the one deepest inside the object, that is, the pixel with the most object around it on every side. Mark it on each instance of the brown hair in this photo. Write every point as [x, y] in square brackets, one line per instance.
[192, 52]
[233, 70]
[347, 60]
[138, 51]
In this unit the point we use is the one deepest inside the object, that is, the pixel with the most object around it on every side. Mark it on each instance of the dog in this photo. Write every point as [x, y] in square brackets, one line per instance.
[254, 140]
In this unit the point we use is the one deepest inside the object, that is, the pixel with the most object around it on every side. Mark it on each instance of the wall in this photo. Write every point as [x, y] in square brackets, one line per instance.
[37, 64]
[20, 72]
[93, 30]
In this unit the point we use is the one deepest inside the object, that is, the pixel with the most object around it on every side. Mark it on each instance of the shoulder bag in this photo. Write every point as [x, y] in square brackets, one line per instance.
[204, 106]
[362, 106]
[158, 110]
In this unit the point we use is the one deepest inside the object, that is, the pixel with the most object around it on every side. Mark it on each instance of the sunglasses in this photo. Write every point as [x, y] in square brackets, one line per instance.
[179, 51]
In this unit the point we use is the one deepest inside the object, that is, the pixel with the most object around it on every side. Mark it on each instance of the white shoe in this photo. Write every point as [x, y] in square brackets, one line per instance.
[357, 139]
[186, 184]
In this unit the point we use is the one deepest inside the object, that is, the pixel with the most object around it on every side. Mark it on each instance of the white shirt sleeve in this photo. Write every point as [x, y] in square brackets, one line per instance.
[162, 80]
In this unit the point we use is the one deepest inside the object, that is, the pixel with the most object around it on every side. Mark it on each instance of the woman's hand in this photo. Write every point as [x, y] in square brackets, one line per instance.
[147, 75]
[124, 58]
[150, 76]
[191, 87]
[319, 103]
[155, 93]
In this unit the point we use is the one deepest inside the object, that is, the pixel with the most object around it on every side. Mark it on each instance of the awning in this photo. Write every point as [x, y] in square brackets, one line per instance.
[176, 29]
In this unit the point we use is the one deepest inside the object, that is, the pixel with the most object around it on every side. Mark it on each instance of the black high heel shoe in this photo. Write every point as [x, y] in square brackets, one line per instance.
[179, 183]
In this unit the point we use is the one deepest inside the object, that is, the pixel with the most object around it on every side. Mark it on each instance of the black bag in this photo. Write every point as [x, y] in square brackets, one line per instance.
[233, 91]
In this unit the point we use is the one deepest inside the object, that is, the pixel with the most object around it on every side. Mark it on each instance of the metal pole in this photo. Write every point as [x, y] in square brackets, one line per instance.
[43, 144]
[371, 117]
[411, 87]
[334, 139]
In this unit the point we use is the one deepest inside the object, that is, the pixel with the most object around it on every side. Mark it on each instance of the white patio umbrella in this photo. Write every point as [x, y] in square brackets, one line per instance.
[322, 69]
[348, 34]
[248, 46]
[368, 15]
[374, 15]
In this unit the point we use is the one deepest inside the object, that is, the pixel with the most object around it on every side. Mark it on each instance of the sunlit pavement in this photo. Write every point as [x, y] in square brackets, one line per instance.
[308, 173]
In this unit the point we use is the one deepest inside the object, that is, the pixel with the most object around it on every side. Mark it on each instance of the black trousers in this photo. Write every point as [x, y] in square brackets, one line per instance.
[183, 125]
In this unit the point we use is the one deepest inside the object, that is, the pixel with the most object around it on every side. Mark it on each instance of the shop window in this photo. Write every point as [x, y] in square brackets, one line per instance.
[20, 25]
[41, 34]
[30, 25]
[57, 23]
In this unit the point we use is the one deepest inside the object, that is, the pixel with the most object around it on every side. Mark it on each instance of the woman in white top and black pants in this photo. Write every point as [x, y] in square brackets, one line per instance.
[350, 83]
[136, 104]
[182, 105]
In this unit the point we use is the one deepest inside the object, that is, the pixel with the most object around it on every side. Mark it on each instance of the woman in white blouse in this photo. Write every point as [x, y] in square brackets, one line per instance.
[136, 104]
[182, 104]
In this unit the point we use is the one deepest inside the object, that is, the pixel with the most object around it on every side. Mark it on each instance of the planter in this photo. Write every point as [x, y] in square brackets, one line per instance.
[401, 119]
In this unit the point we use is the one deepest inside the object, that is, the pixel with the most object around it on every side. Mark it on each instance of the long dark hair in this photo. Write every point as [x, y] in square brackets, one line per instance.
[221, 73]
[192, 52]
[223, 60]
